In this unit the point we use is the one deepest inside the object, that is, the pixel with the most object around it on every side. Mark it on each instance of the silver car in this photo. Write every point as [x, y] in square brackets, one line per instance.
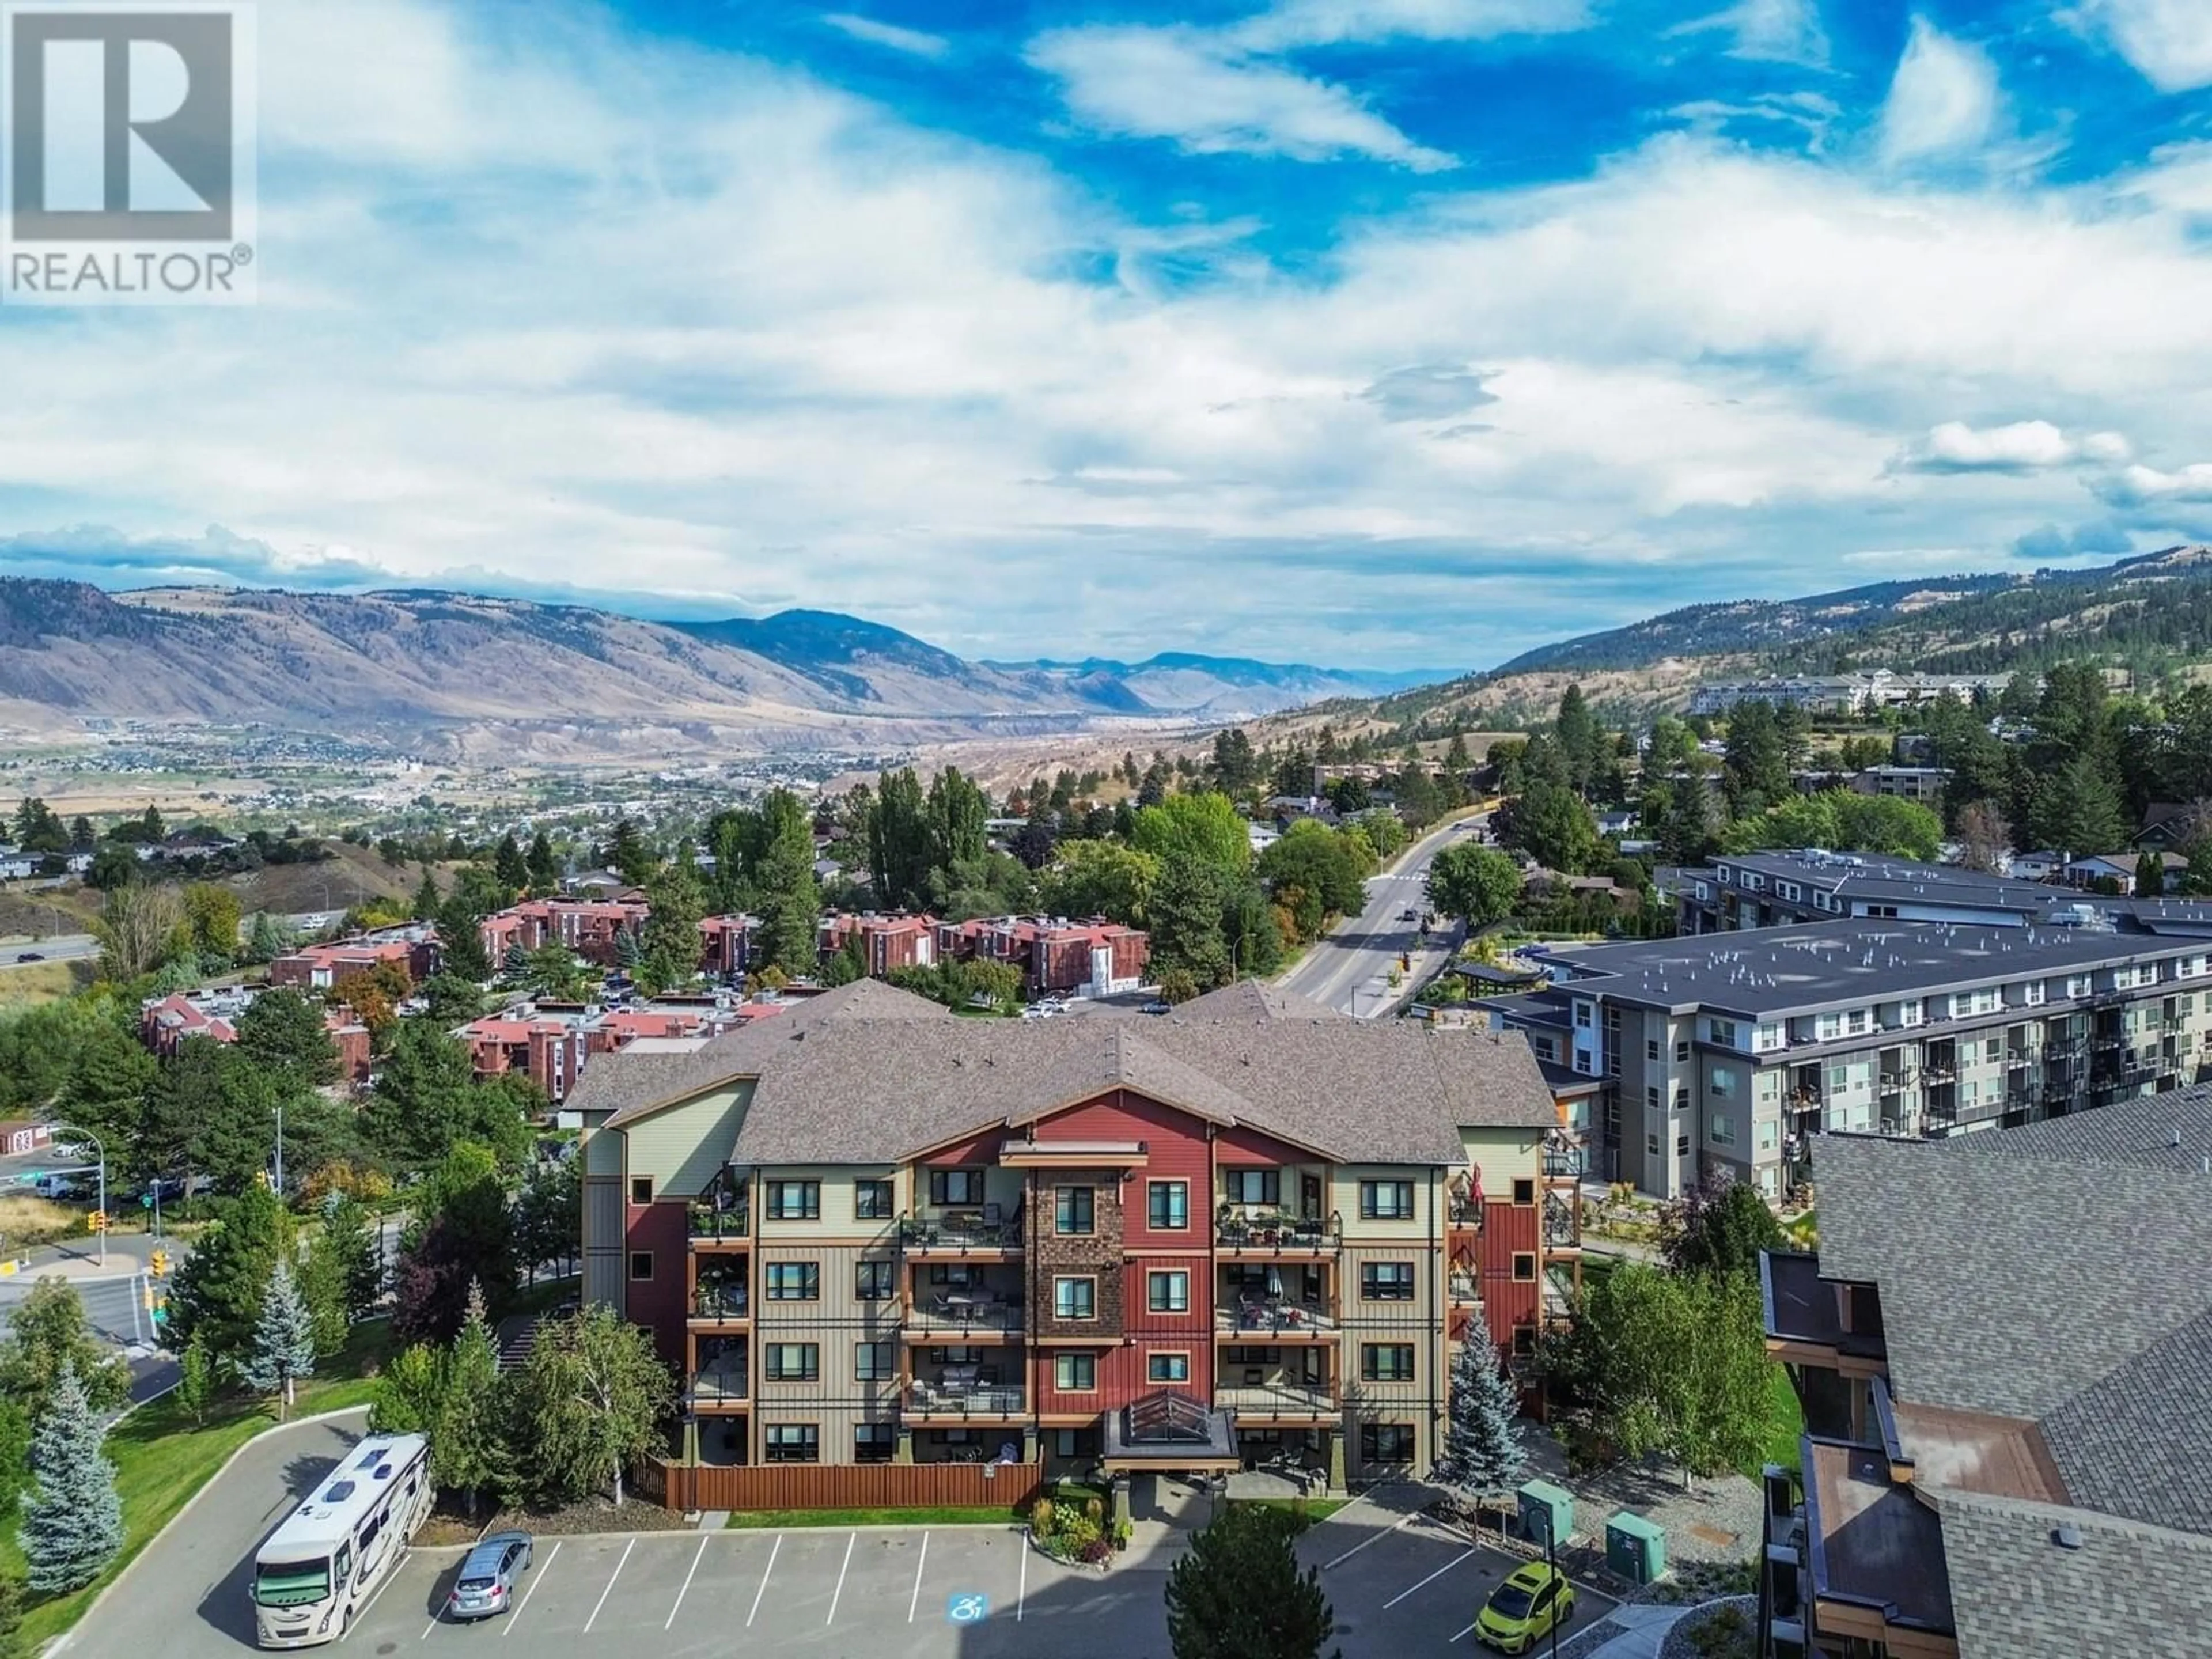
[488, 1577]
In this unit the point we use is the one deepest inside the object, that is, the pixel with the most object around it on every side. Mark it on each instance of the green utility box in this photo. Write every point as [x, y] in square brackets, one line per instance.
[1634, 1548]
[1547, 1512]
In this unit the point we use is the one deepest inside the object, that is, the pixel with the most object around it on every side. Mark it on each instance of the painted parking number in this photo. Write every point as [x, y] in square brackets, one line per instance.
[968, 1609]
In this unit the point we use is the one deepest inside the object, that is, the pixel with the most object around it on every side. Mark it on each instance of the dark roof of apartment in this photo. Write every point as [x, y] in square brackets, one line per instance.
[2128, 1590]
[2057, 1286]
[1771, 972]
[867, 1074]
[1871, 878]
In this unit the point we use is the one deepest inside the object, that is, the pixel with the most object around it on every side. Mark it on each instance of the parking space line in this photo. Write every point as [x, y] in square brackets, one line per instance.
[428, 1628]
[536, 1577]
[680, 1594]
[915, 1600]
[1364, 1542]
[765, 1571]
[1463, 1633]
[1431, 1578]
[398, 1567]
[1022, 1590]
[604, 1594]
[851, 1538]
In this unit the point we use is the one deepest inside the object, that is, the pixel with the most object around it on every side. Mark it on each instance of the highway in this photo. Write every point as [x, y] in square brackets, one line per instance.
[78, 947]
[1349, 969]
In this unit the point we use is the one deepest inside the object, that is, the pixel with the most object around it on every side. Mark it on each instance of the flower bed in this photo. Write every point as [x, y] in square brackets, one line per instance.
[1073, 1531]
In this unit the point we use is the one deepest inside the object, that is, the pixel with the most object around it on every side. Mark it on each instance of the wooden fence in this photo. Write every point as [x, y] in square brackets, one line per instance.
[848, 1487]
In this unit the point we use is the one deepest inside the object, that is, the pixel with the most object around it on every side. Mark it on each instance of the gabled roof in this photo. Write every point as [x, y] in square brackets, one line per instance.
[1255, 999]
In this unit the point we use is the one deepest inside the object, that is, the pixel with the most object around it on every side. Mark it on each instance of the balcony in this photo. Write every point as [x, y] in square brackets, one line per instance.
[710, 1226]
[1279, 1234]
[1463, 1214]
[1248, 1315]
[720, 1304]
[963, 1316]
[1564, 1164]
[958, 1402]
[1466, 1290]
[1278, 1399]
[953, 1233]
[722, 1383]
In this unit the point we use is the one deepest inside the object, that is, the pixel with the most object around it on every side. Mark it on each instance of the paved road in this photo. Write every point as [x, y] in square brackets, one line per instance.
[1349, 969]
[59, 947]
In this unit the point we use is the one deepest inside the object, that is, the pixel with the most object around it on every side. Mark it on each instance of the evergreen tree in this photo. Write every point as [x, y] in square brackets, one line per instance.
[629, 954]
[1186, 909]
[515, 966]
[1237, 1592]
[1483, 1453]
[12, 1645]
[218, 1291]
[267, 939]
[196, 1379]
[543, 868]
[410, 1393]
[73, 1522]
[670, 943]
[426, 897]
[460, 945]
[284, 1349]
[631, 857]
[468, 1448]
[2150, 875]
[790, 899]
[106, 1090]
[282, 1031]
[508, 864]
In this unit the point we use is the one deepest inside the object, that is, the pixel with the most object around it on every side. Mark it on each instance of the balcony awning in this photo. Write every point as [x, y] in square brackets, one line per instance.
[1072, 1154]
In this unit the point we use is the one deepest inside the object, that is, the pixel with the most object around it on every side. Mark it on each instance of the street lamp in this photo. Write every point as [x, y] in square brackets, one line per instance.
[102, 1147]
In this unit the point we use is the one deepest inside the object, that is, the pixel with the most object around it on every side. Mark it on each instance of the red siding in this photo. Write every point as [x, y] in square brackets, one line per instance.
[983, 1149]
[658, 1303]
[1122, 1373]
[1242, 1147]
[1509, 1230]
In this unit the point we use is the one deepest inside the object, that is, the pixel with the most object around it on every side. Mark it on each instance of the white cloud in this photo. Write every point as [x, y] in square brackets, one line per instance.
[916, 42]
[2170, 42]
[1194, 87]
[1779, 31]
[2145, 486]
[1944, 100]
[1294, 23]
[2022, 446]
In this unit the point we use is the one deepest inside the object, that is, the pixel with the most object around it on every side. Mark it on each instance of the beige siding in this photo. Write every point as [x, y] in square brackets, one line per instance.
[683, 1147]
[1344, 1198]
[838, 1184]
[1501, 1155]
[603, 1149]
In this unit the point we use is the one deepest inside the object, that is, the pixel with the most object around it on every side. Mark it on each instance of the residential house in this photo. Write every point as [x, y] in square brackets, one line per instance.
[885, 940]
[1924, 784]
[319, 967]
[165, 1022]
[872, 1231]
[2169, 825]
[2002, 1351]
[19, 1135]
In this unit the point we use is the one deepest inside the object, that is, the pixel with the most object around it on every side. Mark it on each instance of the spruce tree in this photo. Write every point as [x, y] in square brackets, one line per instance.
[284, 1348]
[545, 868]
[468, 1448]
[73, 1524]
[426, 897]
[515, 966]
[1483, 1453]
[628, 952]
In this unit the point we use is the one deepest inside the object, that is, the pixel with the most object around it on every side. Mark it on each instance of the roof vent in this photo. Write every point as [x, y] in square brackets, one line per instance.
[2067, 1537]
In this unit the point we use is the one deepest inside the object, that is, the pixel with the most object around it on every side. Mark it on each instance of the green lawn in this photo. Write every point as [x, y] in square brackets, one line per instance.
[1785, 1423]
[1312, 1509]
[948, 1516]
[161, 1458]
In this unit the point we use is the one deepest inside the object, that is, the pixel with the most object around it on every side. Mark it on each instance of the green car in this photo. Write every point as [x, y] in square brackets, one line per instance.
[1523, 1610]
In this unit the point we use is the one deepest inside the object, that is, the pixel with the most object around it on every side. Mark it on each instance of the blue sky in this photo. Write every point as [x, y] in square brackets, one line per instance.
[1377, 332]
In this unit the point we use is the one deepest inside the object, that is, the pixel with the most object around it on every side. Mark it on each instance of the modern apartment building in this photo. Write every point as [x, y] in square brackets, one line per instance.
[1726, 1052]
[2003, 1350]
[1741, 891]
[869, 1230]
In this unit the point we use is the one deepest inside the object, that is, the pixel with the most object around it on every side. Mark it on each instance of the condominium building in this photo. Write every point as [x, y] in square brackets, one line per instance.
[1740, 890]
[869, 1230]
[2003, 1353]
[1723, 1054]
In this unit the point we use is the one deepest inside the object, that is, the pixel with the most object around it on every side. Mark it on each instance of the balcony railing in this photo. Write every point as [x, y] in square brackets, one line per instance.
[1299, 1397]
[1270, 1316]
[959, 1313]
[724, 1302]
[1465, 1290]
[1279, 1232]
[723, 1380]
[732, 1221]
[962, 1229]
[964, 1400]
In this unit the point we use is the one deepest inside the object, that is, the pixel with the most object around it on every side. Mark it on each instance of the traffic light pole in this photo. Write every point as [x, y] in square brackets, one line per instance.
[101, 1147]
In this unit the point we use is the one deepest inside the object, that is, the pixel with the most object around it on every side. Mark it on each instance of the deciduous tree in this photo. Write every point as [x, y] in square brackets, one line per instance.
[587, 1401]
[48, 1334]
[1478, 885]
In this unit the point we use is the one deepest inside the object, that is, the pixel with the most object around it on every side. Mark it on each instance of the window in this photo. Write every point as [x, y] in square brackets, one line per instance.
[956, 1186]
[1681, 1146]
[1524, 1190]
[872, 1281]
[1723, 1032]
[1074, 1210]
[874, 1442]
[1386, 1443]
[794, 1361]
[1652, 1144]
[1167, 1368]
[1386, 1201]
[872, 1200]
[640, 1189]
[1075, 1372]
[1723, 1131]
[1651, 1097]
[1681, 1050]
[1167, 1204]
[794, 1281]
[640, 1264]
[1168, 1292]
[1386, 1281]
[1075, 1298]
[960, 1275]
[1525, 1265]
[1524, 1341]
[1251, 1356]
[872, 1362]
[794, 1443]
[1253, 1186]
[1582, 1014]
[1651, 1047]
[794, 1200]
[1386, 1362]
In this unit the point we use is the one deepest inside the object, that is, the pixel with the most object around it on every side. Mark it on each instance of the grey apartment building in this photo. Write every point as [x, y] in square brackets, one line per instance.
[1725, 1053]
[1737, 891]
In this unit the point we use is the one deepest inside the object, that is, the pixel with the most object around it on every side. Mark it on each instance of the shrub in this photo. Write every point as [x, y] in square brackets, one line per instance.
[1041, 1515]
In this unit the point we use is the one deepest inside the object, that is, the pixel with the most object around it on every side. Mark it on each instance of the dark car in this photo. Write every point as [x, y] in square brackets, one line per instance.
[29, 956]
[1157, 1007]
[488, 1578]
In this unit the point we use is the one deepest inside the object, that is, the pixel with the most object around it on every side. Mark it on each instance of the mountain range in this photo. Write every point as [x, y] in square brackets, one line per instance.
[466, 674]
